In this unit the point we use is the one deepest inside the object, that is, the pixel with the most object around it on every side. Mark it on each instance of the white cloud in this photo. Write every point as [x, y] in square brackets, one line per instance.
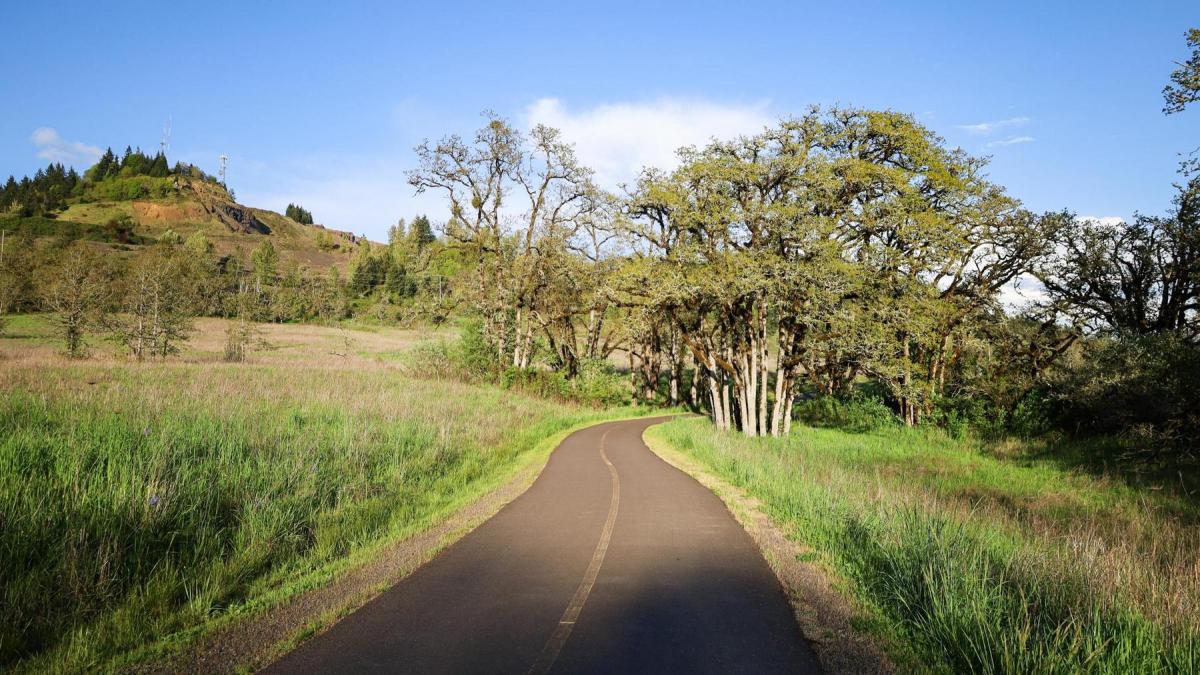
[1101, 220]
[1015, 140]
[986, 128]
[366, 194]
[55, 148]
[1021, 292]
[618, 139]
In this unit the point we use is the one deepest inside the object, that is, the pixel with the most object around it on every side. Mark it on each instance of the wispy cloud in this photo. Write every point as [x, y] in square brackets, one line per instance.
[618, 139]
[987, 128]
[1015, 140]
[368, 193]
[1101, 220]
[55, 148]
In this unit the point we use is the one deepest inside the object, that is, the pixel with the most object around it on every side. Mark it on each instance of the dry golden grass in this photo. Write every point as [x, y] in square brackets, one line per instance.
[143, 499]
[31, 339]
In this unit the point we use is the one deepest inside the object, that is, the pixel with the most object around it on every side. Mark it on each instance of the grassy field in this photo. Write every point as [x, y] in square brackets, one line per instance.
[141, 500]
[972, 562]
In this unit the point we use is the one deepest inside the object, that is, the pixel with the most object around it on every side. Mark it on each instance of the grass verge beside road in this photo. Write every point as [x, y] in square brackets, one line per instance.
[972, 563]
[141, 501]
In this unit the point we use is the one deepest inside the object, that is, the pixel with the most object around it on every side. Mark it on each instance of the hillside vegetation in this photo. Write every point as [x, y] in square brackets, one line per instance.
[136, 200]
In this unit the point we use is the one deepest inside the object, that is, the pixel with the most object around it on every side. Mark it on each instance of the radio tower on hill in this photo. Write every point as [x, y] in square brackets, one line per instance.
[224, 160]
[166, 138]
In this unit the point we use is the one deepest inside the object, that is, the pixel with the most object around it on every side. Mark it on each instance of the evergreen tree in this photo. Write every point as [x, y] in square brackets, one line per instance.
[422, 232]
[8, 195]
[298, 214]
[396, 281]
[107, 166]
[158, 167]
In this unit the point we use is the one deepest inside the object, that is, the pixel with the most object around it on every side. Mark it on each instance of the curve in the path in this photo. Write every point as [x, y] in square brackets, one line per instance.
[612, 562]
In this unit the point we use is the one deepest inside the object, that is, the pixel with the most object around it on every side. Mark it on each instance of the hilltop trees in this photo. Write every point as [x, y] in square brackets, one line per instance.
[45, 193]
[299, 214]
[108, 166]
[48, 190]
[131, 163]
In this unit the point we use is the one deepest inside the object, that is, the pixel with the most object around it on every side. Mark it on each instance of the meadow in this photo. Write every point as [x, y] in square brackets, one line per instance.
[142, 500]
[974, 557]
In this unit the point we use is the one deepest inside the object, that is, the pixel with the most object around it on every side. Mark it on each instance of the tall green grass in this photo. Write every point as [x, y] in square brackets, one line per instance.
[138, 501]
[976, 564]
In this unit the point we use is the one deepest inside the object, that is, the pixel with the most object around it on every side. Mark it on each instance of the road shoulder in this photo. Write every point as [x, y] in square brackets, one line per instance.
[826, 617]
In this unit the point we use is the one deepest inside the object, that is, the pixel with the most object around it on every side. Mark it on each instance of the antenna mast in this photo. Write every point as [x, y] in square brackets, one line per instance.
[166, 137]
[224, 160]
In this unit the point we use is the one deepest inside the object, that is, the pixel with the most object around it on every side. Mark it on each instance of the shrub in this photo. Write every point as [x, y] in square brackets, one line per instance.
[136, 187]
[474, 352]
[961, 415]
[472, 359]
[598, 382]
[1140, 387]
[851, 413]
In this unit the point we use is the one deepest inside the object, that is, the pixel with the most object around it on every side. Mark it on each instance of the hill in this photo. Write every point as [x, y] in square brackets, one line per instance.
[124, 212]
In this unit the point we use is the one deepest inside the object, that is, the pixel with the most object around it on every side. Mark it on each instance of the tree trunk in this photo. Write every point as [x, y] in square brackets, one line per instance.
[726, 412]
[676, 367]
[518, 338]
[693, 389]
[749, 391]
[764, 369]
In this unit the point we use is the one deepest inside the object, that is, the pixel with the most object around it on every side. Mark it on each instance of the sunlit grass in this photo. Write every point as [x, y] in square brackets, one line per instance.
[977, 563]
[138, 500]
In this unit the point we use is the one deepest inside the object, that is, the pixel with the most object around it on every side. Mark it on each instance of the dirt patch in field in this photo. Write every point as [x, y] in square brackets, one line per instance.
[255, 642]
[169, 213]
[826, 617]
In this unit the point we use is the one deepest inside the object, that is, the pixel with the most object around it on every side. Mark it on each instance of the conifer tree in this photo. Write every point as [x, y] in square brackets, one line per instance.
[422, 232]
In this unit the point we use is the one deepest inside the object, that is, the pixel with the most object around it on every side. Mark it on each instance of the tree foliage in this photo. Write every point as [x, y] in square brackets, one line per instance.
[76, 289]
[299, 214]
[158, 300]
[854, 236]
[1184, 88]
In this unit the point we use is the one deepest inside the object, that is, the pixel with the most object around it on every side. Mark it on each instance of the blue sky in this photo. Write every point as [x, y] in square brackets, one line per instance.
[321, 103]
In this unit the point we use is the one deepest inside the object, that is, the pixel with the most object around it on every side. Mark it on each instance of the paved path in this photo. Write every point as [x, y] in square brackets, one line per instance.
[612, 562]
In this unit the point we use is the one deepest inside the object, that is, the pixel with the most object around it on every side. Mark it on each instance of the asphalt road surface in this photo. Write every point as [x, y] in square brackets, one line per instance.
[612, 562]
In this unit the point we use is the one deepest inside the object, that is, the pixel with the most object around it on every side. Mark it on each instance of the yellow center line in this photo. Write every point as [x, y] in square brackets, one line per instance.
[563, 630]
